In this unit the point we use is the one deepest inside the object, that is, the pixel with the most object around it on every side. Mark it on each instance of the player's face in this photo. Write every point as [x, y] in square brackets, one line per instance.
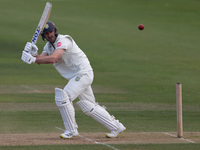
[50, 36]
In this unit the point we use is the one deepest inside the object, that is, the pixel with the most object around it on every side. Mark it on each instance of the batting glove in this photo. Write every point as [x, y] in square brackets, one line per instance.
[34, 50]
[28, 58]
[31, 48]
[28, 47]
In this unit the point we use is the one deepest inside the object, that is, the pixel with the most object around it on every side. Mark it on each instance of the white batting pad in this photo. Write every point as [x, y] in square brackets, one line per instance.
[66, 110]
[98, 113]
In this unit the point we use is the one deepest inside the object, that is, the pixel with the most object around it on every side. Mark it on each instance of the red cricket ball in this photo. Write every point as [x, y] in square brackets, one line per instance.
[141, 27]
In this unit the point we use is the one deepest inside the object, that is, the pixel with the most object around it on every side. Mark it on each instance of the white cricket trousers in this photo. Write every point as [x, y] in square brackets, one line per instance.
[80, 86]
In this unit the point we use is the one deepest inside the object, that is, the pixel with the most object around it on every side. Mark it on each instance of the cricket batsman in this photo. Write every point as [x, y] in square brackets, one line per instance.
[72, 63]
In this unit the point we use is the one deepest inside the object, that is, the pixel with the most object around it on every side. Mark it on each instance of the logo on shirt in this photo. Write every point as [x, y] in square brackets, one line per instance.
[77, 78]
[59, 44]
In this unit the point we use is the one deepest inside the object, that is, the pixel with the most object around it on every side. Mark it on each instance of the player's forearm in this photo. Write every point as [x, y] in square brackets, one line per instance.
[49, 59]
[45, 59]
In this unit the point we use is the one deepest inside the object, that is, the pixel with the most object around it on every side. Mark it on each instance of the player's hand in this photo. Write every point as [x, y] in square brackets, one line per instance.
[28, 47]
[28, 58]
[31, 48]
[34, 50]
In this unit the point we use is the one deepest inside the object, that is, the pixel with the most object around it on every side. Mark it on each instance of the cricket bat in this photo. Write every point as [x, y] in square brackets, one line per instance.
[42, 23]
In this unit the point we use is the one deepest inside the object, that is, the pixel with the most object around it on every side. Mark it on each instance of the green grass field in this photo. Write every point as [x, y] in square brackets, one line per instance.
[135, 71]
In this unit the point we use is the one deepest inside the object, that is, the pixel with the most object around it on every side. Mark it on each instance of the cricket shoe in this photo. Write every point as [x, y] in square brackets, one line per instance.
[114, 133]
[67, 134]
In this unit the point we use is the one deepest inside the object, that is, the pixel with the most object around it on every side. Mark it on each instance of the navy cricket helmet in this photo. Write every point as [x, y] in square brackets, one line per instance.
[49, 27]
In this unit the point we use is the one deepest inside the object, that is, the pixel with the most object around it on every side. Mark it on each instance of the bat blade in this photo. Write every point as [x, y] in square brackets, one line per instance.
[43, 20]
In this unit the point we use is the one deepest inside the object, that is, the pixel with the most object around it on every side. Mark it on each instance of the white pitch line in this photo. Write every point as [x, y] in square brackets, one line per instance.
[59, 128]
[90, 140]
[184, 139]
[97, 142]
[30, 88]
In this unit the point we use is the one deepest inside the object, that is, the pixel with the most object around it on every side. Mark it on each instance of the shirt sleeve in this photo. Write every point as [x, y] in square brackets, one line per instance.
[64, 43]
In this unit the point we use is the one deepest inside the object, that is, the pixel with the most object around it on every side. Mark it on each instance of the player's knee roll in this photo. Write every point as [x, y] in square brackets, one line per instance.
[86, 106]
[61, 97]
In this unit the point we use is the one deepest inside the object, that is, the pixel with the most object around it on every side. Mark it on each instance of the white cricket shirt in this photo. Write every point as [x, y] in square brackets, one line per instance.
[73, 62]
